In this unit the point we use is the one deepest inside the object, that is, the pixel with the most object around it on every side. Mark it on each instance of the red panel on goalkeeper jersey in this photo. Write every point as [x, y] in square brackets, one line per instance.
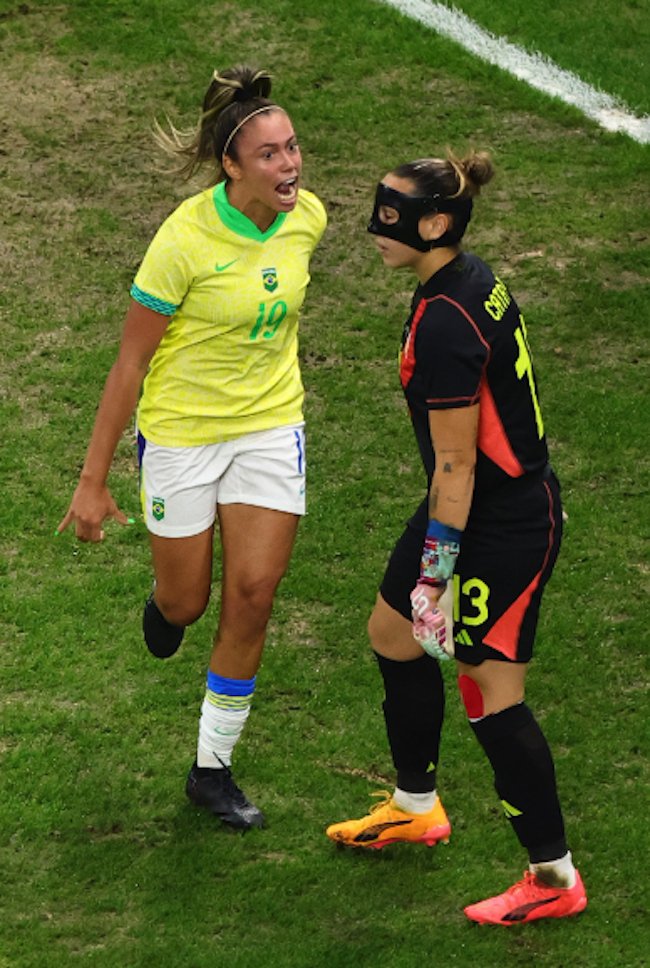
[464, 343]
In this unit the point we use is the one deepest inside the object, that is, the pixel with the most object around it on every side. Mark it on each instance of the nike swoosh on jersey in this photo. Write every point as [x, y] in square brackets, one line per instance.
[226, 265]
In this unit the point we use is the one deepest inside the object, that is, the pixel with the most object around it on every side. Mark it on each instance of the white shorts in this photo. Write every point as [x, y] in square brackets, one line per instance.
[180, 487]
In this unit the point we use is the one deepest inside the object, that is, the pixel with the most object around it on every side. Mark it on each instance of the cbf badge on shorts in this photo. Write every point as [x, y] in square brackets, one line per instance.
[270, 278]
[158, 508]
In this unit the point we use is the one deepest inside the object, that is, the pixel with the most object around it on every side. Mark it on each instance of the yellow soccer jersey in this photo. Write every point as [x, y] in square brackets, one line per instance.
[228, 362]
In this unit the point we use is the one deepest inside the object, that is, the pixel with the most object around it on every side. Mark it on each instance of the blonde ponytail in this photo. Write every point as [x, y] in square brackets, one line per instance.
[233, 96]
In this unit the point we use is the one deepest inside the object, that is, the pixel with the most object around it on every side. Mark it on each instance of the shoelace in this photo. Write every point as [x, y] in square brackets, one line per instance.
[387, 798]
[229, 783]
[524, 884]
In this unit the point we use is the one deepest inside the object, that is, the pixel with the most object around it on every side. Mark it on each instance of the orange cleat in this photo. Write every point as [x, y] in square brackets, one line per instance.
[387, 824]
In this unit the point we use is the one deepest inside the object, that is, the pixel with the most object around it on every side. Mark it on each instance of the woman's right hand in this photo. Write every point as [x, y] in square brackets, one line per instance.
[92, 502]
[91, 505]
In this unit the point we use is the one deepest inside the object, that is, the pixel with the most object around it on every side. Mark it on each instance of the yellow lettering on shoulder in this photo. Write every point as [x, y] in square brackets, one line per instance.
[498, 301]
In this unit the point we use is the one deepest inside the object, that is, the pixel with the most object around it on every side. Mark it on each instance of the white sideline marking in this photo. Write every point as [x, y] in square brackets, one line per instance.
[533, 68]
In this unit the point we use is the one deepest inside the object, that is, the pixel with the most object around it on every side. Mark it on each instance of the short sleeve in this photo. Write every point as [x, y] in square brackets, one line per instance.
[315, 216]
[452, 355]
[163, 279]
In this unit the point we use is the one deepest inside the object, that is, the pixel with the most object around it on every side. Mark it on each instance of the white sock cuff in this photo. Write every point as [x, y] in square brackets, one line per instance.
[414, 802]
[560, 872]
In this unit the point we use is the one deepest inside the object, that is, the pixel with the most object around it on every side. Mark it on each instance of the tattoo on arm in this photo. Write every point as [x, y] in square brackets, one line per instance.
[447, 468]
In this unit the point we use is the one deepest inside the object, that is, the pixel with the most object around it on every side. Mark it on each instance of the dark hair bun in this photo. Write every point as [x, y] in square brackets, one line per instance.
[249, 83]
[478, 168]
[233, 95]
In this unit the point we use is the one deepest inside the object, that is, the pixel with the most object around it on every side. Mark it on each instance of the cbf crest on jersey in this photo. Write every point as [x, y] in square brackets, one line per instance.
[270, 278]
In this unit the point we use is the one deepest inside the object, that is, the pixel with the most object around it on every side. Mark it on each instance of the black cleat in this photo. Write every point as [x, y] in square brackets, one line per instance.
[163, 639]
[217, 791]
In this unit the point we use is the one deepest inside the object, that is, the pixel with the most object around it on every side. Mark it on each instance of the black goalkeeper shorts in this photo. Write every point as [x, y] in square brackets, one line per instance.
[508, 551]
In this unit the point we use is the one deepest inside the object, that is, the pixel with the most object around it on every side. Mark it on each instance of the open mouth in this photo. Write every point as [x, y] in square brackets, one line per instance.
[288, 189]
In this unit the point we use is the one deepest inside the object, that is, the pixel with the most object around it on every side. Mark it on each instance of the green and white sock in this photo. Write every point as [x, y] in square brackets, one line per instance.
[224, 712]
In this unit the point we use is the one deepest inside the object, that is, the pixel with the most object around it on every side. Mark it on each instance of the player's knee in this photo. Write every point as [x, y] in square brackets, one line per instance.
[377, 637]
[391, 635]
[183, 611]
[255, 594]
[489, 696]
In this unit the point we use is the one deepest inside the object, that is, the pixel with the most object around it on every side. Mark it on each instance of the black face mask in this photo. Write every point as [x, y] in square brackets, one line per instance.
[410, 209]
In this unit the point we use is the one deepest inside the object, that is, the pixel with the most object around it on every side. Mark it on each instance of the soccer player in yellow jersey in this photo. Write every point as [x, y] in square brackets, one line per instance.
[211, 338]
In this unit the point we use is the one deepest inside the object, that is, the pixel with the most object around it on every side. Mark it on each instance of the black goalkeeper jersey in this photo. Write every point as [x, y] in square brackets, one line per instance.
[465, 343]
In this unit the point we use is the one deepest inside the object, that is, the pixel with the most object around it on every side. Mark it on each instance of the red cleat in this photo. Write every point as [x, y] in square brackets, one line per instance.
[529, 900]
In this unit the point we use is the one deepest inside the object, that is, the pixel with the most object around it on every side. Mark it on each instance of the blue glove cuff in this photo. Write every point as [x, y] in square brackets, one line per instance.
[439, 554]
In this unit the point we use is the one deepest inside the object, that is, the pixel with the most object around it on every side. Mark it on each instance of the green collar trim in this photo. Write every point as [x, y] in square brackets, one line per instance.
[239, 223]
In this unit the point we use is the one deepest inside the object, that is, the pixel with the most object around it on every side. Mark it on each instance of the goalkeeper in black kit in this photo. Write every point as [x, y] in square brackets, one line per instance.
[485, 537]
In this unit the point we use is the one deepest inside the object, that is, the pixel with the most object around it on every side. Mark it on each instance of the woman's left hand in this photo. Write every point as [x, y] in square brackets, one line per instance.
[429, 623]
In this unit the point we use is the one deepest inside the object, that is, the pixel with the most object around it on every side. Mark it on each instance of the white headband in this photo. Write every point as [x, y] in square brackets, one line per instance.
[268, 107]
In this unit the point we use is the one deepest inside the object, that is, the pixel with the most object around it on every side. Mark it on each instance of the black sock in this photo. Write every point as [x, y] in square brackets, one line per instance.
[524, 778]
[162, 638]
[414, 708]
